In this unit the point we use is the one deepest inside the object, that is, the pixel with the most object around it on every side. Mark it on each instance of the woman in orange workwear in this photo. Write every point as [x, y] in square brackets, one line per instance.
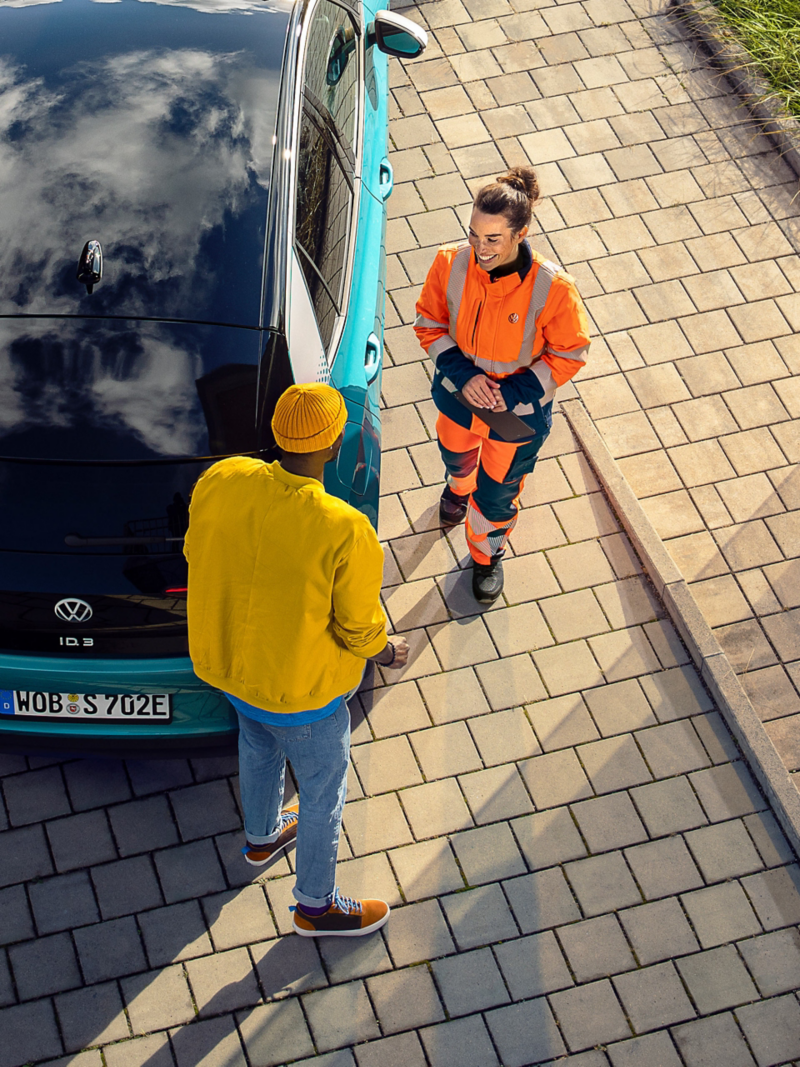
[504, 328]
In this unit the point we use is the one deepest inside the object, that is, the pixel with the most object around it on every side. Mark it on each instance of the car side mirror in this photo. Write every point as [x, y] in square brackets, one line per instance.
[397, 36]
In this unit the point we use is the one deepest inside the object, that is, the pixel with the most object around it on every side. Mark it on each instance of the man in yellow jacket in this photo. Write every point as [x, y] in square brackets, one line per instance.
[284, 610]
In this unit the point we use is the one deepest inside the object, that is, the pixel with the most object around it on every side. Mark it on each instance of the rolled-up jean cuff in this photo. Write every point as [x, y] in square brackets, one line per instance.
[312, 902]
[256, 839]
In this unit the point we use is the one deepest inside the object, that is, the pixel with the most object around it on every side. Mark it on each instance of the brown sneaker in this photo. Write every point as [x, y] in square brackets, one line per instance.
[266, 855]
[344, 918]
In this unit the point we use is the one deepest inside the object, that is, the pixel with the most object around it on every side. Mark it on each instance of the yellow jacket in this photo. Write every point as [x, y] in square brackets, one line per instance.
[284, 587]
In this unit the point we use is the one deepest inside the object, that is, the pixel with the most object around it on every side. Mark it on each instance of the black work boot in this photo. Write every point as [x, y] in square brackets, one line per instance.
[487, 580]
[452, 508]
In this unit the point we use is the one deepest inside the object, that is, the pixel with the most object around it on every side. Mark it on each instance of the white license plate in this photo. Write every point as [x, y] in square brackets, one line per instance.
[87, 707]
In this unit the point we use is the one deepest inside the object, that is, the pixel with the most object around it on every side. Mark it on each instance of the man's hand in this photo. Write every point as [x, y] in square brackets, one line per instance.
[484, 393]
[395, 655]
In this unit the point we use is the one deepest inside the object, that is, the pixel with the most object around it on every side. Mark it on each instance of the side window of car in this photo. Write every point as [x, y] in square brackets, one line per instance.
[326, 160]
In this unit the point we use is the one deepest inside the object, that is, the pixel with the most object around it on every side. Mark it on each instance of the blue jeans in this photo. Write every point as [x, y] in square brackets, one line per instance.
[318, 753]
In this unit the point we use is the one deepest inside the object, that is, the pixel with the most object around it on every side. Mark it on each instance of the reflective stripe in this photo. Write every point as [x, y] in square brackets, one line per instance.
[576, 353]
[455, 285]
[448, 385]
[439, 346]
[541, 290]
[429, 324]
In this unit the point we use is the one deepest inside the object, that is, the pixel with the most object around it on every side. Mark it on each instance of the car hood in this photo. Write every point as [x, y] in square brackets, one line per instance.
[145, 125]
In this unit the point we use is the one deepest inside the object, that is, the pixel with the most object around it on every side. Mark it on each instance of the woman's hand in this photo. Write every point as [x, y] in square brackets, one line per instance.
[483, 393]
[394, 654]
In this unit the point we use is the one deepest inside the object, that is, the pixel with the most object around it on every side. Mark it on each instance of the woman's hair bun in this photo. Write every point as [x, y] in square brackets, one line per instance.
[523, 180]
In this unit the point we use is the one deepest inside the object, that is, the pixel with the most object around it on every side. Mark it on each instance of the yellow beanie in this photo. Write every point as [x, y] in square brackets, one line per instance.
[308, 418]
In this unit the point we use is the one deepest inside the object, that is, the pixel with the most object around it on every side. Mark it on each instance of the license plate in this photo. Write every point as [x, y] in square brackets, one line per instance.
[87, 707]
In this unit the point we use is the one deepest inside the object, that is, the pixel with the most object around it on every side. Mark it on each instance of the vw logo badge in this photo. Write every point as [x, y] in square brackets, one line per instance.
[73, 610]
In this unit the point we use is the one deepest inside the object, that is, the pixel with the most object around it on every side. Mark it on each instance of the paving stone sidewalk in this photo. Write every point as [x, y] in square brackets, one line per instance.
[680, 224]
[581, 866]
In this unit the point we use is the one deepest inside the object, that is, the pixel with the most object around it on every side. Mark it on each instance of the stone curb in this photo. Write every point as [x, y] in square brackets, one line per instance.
[737, 65]
[703, 646]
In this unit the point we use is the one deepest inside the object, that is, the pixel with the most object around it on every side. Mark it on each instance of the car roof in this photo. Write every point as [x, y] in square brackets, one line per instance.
[146, 125]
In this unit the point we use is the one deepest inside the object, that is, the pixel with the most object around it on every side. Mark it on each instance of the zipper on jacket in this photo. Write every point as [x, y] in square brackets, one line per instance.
[475, 327]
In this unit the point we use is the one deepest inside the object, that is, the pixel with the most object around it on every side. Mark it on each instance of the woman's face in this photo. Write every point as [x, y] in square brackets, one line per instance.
[494, 241]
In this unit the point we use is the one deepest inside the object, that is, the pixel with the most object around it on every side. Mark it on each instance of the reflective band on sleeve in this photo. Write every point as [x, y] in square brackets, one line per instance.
[440, 346]
[549, 384]
[448, 385]
[455, 285]
[429, 324]
[577, 353]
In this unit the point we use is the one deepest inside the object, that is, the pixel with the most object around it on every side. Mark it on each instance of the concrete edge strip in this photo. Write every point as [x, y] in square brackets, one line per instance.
[738, 66]
[705, 650]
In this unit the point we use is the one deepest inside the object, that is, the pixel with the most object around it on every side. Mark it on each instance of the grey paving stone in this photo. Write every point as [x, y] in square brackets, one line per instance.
[189, 871]
[533, 965]
[720, 914]
[142, 825]
[772, 1028]
[203, 810]
[81, 841]
[151, 1051]
[774, 961]
[548, 837]
[223, 981]
[158, 775]
[541, 900]
[29, 1033]
[237, 872]
[418, 932]
[770, 841]
[609, 822]
[603, 883]
[589, 1015]
[525, 1033]
[126, 886]
[23, 855]
[342, 1058]
[96, 783]
[645, 1052]
[287, 966]
[715, 1042]
[470, 982]
[658, 931]
[479, 916]
[596, 948]
[35, 795]
[676, 694]
[406, 999]
[716, 737]
[653, 997]
[717, 979]
[619, 707]
[340, 1016]
[210, 1043]
[775, 895]
[663, 868]
[673, 748]
[157, 999]
[16, 923]
[614, 763]
[110, 950]
[488, 854]
[402, 1050]
[7, 995]
[88, 1058]
[723, 851]
[63, 902]
[555, 778]
[207, 768]
[174, 933]
[462, 1043]
[668, 807]
[44, 966]
[582, 1059]
[727, 791]
[347, 958]
[273, 1033]
[91, 1016]
[11, 764]
[238, 917]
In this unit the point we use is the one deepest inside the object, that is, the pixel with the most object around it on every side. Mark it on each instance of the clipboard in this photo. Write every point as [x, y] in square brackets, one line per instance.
[504, 423]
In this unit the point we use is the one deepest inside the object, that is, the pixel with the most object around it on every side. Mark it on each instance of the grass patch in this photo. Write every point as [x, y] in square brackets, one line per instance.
[770, 31]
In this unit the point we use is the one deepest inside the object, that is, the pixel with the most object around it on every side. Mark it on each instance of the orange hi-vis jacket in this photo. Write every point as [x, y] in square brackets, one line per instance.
[527, 330]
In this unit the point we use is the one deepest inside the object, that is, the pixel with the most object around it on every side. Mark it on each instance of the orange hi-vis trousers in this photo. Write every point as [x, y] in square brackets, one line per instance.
[492, 473]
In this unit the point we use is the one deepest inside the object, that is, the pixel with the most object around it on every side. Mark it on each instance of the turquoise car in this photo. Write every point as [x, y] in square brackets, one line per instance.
[194, 207]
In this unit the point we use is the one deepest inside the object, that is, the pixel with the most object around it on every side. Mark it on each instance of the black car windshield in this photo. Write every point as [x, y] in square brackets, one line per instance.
[147, 126]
